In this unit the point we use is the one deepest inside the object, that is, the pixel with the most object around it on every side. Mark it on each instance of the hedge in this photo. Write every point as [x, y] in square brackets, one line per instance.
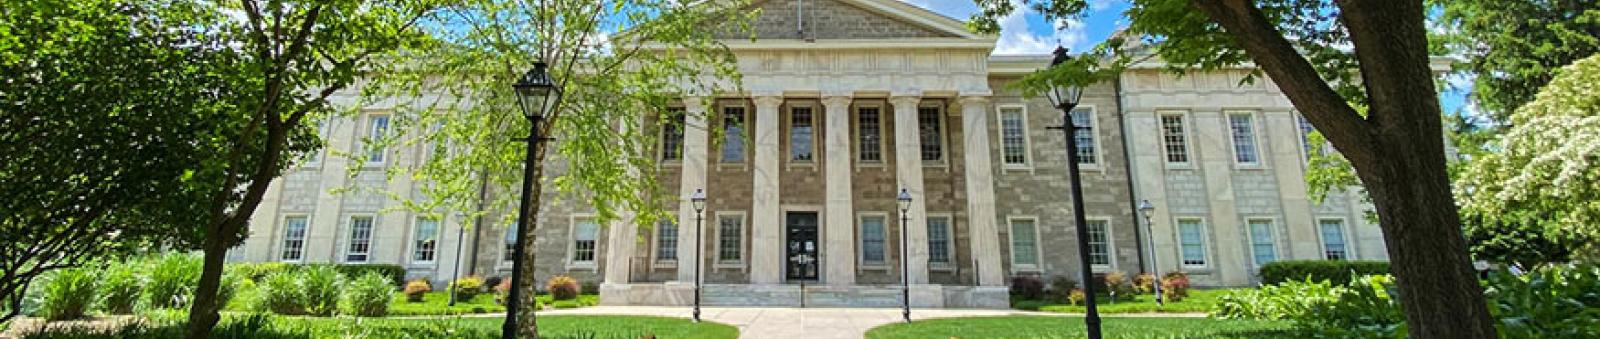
[257, 271]
[1336, 271]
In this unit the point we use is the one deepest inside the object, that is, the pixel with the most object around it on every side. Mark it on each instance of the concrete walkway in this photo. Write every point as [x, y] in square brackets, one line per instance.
[820, 323]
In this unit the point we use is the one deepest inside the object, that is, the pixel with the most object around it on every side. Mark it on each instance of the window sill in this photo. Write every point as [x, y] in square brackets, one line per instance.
[874, 267]
[671, 163]
[1027, 168]
[663, 264]
[1249, 167]
[1101, 269]
[941, 268]
[800, 165]
[732, 166]
[585, 266]
[1026, 269]
[729, 265]
[1180, 167]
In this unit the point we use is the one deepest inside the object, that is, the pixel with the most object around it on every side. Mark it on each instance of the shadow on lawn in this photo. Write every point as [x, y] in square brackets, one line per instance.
[264, 327]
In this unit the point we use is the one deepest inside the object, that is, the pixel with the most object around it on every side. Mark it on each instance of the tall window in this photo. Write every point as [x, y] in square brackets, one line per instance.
[1173, 139]
[869, 131]
[585, 236]
[733, 134]
[730, 238]
[939, 240]
[1305, 135]
[1013, 136]
[360, 239]
[377, 127]
[510, 252]
[666, 241]
[672, 135]
[1024, 244]
[930, 131]
[1333, 240]
[1191, 240]
[1083, 132]
[1262, 247]
[1099, 243]
[294, 238]
[1244, 139]
[314, 157]
[872, 240]
[425, 240]
[801, 134]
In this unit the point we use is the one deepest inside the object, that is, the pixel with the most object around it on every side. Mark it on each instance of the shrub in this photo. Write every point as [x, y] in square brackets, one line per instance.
[1027, 287]
[173, 277]
[281, 293]
[563, 288]
[1175, 286]
[1337, 271]
[395, 274]
[502, 290]
[1551, 302]
[1144, 283]
[368, 296]
[228, 287]
[68, 294]
[467, 287]
[322, 285]
[119, 289]
[493, 281]
[1365, 307]
[416, 289]
[1117, 285]
[257, 271]
[1075, 297]
[591, 288]
[1061, 286]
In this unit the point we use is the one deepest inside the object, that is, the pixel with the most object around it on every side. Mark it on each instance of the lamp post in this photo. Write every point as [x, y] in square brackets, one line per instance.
[698, 200]
[1145, 208]
[904, 199]
[536, 94]
[1065, 97]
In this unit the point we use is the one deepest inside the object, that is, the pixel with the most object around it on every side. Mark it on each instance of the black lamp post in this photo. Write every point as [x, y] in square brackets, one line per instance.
[698, 200]
[1145, 208]
[904, 199]
[1065, 97]
[536, 94]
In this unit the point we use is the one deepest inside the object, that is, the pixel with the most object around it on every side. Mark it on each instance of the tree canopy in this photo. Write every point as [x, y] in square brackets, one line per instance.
[1514, 47]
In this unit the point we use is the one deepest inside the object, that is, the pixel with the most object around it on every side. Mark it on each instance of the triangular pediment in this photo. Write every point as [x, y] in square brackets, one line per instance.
[847, 19]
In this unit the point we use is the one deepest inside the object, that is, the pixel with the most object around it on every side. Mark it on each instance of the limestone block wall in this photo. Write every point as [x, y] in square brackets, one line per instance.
[823, 19]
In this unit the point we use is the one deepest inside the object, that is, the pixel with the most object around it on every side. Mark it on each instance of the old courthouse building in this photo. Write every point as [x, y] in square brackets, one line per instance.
[846, 102]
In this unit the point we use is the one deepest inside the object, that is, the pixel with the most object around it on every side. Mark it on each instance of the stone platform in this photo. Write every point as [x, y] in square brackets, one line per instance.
[798, 295]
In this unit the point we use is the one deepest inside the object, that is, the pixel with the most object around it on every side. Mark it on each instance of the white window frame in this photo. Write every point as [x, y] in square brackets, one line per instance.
[1111, 245]
[1344, 231]
[788, 133]
[1011, 242]
[412, 245]
[661, 135]
[861, 250]
[950, 240]
[1255, 139]
[1205, 240]
[572, 242]
[944, 133]
[349, 238]
[1188, 140]
[1250, 240]
[884, 115]
[370, 125]
[284, 232]
[655, 245]
[1027, 139]
[745, 126]
[1094, 134]
[744, 239]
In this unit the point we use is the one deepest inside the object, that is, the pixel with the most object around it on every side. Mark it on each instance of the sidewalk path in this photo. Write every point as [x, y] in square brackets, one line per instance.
[820, 323]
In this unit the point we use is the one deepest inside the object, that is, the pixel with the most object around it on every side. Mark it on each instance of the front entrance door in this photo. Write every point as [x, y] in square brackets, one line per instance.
[801, 257]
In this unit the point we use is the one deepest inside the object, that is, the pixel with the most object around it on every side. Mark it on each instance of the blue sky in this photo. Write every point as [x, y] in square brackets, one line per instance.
[1027, 32]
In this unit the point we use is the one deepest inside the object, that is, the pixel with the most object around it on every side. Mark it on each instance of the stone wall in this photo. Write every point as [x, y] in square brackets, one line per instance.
[823, 19]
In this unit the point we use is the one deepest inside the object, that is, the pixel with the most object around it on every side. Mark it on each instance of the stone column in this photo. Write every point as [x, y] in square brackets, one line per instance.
[766, 257]
[1300, 240]
[695, 145]
[323, 231]
[908, 175]
[981, 218]
[840, 248]
[1149, 173]
[1227, 256]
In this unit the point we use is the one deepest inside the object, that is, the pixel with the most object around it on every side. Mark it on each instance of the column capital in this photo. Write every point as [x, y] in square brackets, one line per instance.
[768, 100]
[905, 99]
[836, 100]
[974, 98]
[694, 103]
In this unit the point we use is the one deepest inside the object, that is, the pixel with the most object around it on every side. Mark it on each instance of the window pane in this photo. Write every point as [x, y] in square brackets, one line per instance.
[872, 236]
[377, 128]
[869, 129]
[730, 242]
[1013, 145]
[939, 240]
[584, 239]
[666, 241]
[1099, 244]
[733, 134]
[1305, 134]
[1244, 139]
[1172, 137]
[1192, 242]
[511, 243]
[928, 129]
[1333, 240]
[1023, 249]
[425, 240]
[360, 239]
[672, 134]
[1083, 133]
[294, 238]
[800, 134]
[1261, 243]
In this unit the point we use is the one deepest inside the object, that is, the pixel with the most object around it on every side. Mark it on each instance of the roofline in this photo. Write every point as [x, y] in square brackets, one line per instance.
[1028, 63]
[919, 15]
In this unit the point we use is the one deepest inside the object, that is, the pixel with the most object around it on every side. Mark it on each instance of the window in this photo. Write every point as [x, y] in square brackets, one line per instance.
[672, 135]
[377, 127]
[1262, 246]
[800, 134]
[730, 238]
[1305, 135]
[1013, 136]
[1173, 139]
[1099, 243]
[294, 238]
[360, 239]
[510, 252]
[1024, 245]
[1191, 240]
[314, 157]
[1083, 133]
[1333, 239]
[425, 240]
[585, 236]
[1244, 139]
[869, 131]
[929, 130]
[939, 241]
[666, 241]
[733, 134]
[872, 240]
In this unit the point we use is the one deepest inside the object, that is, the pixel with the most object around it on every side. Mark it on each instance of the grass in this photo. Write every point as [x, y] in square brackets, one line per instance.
[1041, 327]
[560, 326]
[1198, 301]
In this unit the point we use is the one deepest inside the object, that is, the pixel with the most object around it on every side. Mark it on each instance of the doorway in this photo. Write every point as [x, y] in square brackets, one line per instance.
[800, 258]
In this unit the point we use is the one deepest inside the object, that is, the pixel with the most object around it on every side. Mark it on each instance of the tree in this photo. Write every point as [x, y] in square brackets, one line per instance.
[1358, 70]
[101, 131]
[1545, 168]
[1514, 47]
[617, 62]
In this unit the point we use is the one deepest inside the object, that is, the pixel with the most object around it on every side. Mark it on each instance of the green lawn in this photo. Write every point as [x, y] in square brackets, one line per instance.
[1198, 301]
[1042, 327]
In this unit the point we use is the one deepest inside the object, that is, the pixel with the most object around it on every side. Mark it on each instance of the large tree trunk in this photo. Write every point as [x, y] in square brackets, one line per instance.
[203, 314]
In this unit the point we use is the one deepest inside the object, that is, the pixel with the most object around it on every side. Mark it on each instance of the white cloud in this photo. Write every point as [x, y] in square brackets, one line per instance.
[1017, 38]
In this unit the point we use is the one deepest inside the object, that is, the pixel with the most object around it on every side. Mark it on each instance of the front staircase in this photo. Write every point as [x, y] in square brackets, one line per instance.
[796, 295]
